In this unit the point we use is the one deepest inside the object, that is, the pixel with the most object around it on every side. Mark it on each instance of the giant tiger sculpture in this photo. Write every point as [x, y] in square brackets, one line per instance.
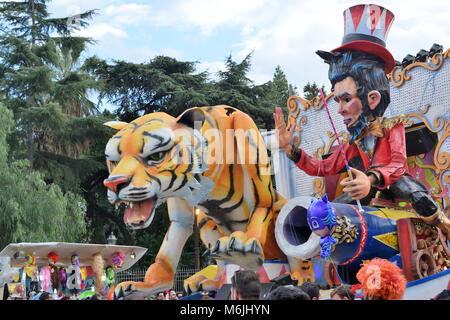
[210, 158]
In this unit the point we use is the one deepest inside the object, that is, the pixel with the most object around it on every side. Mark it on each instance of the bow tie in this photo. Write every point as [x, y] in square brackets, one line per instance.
[374, 128]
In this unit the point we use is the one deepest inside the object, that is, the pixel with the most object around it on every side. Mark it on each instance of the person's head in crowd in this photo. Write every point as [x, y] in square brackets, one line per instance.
[312, 289]
[45, 296]
[173, 295]
[245, 285]
[288, 292]
[342, 292]
[381, 280]
[160, 296]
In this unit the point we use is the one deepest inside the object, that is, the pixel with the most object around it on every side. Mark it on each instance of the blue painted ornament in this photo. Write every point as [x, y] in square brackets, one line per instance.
[322, 220]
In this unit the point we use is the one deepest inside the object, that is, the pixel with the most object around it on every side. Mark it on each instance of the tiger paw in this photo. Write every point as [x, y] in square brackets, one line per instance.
[237, 249]
[200, 283]
[131, 290]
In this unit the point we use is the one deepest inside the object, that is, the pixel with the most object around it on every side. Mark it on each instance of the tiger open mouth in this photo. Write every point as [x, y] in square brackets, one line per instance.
[138, 214]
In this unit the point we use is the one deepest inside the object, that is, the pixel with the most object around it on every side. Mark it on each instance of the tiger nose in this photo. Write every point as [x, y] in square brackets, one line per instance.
[114, 181]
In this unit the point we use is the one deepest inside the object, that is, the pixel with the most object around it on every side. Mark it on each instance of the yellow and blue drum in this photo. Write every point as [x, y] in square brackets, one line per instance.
[360, 236]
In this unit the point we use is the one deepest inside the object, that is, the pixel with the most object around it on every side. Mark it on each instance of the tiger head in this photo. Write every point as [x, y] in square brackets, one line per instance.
[153, 158]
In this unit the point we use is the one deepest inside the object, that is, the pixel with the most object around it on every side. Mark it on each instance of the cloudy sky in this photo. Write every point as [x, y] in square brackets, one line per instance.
[279, 32]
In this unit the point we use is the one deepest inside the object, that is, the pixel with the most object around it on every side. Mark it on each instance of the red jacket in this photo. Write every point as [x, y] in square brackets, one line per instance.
[389, 158]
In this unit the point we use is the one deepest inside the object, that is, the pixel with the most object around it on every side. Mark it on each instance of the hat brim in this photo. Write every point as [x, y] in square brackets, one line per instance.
[372, 48]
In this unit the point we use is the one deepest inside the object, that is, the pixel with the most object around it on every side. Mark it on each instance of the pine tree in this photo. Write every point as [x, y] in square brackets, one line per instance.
[162, 84]
[279, 89]
[31, 46]
[234, 88]
[311, 91]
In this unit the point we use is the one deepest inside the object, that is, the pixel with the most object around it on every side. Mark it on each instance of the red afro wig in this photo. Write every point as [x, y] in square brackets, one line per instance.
[53, 257]
[381, 279]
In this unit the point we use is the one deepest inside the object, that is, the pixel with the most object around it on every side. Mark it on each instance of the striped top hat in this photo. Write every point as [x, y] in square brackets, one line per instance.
[365, 29]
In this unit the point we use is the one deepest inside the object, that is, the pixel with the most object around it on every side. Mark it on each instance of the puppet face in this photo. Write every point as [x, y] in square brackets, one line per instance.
[321, 216]
[350, 106]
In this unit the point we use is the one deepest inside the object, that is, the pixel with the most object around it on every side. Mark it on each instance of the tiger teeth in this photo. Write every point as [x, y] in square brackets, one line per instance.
[129, 204]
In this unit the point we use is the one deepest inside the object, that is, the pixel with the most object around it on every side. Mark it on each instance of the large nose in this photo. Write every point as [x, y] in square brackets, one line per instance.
[341, 109]
[113, 182]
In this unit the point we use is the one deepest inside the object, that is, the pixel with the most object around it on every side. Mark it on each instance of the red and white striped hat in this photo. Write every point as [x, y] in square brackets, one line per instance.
[365, 29]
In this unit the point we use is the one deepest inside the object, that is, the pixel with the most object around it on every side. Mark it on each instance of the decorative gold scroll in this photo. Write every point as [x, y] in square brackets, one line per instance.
[399, 75]
[345, 231]
[441, 160]
[294, 112]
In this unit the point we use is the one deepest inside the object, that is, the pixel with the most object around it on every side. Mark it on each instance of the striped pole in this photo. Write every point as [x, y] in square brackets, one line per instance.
[360, 209]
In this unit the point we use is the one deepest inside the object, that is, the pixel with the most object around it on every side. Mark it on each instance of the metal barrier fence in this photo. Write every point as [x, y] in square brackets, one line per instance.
[139, 274]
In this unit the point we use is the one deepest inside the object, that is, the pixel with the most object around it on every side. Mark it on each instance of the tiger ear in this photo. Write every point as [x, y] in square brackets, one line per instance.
[118, 125]
[192, 118]
[325, 198]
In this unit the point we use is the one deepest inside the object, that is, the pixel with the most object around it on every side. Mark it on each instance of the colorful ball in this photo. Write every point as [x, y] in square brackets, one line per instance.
[29, 260]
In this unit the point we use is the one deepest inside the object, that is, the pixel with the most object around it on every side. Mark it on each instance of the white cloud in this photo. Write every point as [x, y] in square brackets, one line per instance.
[100, 30]
[285, 33]
[205, 14]
[112, 19]
[211, 67]
[131, 13]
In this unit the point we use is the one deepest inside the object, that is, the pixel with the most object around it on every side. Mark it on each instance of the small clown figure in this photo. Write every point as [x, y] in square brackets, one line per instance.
[322, 221]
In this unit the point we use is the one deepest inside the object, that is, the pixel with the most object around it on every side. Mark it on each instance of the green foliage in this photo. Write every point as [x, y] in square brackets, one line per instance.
[30, 209]
[39, 78]
[235, 89]
[171, 86]
[311, 91]
[57, 128]
[164, 84]
[279, 88]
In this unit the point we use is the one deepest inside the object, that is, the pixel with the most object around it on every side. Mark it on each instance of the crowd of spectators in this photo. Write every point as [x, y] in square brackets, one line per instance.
[378, 279]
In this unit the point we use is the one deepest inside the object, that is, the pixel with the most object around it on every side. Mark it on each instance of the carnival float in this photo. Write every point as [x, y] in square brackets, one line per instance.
[387, 226]
[198, 167]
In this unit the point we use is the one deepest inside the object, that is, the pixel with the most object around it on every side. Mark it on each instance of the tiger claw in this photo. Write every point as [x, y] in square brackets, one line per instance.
[120, 295]
[239, 250]
[129, 288]
[215, 250]
[207, 252]
[230, 246]
[255, 248]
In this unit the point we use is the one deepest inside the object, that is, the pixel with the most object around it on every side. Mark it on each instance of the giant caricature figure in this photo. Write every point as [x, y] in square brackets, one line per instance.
[357, 74]
[210, 158]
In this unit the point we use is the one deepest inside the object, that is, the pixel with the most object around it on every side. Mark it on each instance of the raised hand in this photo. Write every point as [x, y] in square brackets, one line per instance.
[283, 133]
[359, 186]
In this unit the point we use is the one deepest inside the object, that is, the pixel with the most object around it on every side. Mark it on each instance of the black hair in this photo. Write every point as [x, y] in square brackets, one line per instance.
[289, 292]
[45, 296]
[247, 284]
[311, 288]
[343, 291]
[367, 70]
